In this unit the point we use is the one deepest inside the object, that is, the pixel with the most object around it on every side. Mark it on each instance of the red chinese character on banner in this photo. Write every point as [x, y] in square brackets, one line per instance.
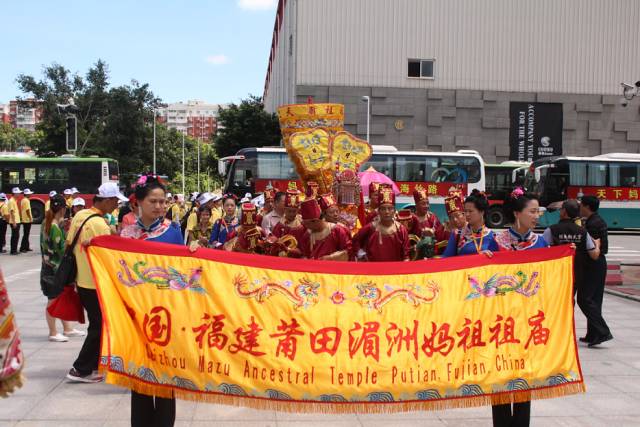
[326, 340]
[368, 340]
[247, 340]
[215, 337]
[617, 192]
[469, 337]
[288, 343]
[157, 326]
[440, 340]
[432, 189]
[397, 336]
[539, 334]
[503, 331]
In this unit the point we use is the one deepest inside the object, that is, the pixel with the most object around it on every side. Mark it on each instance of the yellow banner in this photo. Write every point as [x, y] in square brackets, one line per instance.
[336, 337]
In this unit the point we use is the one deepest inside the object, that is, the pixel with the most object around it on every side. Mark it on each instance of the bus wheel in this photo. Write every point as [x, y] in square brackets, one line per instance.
[37, 211]
[495, 218]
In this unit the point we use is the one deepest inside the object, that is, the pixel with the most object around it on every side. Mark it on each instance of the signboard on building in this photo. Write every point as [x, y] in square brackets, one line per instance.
[535, 131]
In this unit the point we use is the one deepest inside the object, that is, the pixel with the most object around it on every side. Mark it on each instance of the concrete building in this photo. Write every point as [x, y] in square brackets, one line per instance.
[4, 114]
[24, 114]
[466, 74]
[195, 118]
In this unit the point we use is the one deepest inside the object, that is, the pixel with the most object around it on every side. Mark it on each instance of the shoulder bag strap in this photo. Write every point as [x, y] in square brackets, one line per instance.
[77, 236]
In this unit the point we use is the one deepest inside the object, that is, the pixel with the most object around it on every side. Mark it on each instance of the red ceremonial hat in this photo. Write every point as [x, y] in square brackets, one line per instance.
[249, 214]
[420, 194]
[312, 190]
[454, 203]
[386, 196]
[269, 193]
[373, 188]
[310, 209]
[292, 200]
[404, 215]
[326, 201]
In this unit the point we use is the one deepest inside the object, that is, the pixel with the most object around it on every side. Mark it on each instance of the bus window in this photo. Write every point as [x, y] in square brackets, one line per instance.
[381, 163]
[624, 174]
[410, 168]
[588, 174]
[243, 172]
[29, 176]
[275, 166]
[14, 177]
[457, 170]
[52, 177]
[113, 171]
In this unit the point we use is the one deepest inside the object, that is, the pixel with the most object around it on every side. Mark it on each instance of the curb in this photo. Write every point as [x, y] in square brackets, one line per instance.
[622, 294]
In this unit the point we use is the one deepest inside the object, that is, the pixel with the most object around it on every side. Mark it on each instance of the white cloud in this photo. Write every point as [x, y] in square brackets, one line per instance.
[257, 4]
[218, 59]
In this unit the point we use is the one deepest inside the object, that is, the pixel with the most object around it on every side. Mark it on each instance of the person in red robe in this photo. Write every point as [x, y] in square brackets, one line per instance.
[312, 189]
[269, 195]
[384, 239]
[371, 210]
[323, 240]
[248, 237]
[291, 224]
[424, 222]
[454, 204]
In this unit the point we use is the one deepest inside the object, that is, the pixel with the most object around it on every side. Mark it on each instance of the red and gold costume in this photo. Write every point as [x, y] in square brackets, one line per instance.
[422, 225]
[453, 204]
[293, 228]
[333, 242]
[269, 197]
[249, 236]
[380, 242]
[312, 190]
[371, 210]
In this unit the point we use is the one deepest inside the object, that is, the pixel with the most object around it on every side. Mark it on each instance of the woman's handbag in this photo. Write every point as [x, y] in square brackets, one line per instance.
[67, 306]
[68, 269]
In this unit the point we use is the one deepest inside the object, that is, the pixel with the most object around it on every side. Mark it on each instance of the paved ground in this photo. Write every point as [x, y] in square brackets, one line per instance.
[612, 375]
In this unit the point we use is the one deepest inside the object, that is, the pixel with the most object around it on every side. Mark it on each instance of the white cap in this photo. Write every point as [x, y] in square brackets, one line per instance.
[217, 197]
[169, 195]
[110, 189]
[245, 200]
[67, 192]
[27, 191]
[74, 190]
[79, 201]
[16, 190]
[205, 198]
[248, 196]
[3, 196]
[180, 197]
[52, 193]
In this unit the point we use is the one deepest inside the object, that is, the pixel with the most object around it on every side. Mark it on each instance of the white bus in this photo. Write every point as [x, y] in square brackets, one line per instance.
[252, 169]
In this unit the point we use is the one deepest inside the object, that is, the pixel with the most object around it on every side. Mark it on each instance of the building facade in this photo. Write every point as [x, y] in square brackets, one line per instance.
[193, 118]
[463, 74]
[22, 114]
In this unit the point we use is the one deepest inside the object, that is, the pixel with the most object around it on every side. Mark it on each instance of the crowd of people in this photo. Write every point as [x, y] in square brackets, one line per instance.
[303, 225]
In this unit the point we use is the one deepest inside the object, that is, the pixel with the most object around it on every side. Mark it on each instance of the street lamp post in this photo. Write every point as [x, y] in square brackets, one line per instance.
[183, 177]
[154, 141]
[367, 99]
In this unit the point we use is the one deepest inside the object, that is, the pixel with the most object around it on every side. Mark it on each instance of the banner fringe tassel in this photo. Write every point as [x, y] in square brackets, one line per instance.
[168, 392]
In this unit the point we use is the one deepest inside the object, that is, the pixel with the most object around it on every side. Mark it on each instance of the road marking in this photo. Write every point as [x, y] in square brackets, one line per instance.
[21, 274]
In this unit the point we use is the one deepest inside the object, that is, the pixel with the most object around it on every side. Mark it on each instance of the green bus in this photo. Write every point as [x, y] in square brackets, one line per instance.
[43, 174]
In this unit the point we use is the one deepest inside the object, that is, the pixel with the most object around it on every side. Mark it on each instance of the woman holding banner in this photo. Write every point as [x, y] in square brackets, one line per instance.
[523, 211]
[152, 225]
[474, 238]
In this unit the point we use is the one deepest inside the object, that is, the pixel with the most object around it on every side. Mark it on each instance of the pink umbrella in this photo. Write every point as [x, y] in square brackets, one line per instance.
[372, 175]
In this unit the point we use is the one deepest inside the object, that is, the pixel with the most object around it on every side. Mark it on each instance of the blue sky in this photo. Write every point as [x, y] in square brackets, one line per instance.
[214, 50]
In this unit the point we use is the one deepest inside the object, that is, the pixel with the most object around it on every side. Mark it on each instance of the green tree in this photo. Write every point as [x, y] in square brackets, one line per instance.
[11, 139]
[245, 125]
[113, 122]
